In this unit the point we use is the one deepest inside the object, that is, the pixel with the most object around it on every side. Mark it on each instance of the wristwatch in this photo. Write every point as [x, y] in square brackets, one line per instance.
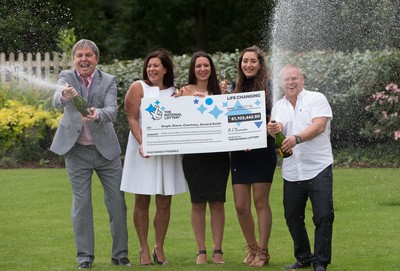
[298, 139]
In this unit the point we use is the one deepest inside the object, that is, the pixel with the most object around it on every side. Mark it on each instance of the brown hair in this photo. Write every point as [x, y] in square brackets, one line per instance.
[212, 85]
[259, 82]
[166, 61]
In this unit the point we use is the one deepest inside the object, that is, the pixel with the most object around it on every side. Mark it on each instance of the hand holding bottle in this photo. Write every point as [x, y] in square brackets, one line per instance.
[91, 115]
[80, 104]
[273, 128]
[69, 92]
[282, 143]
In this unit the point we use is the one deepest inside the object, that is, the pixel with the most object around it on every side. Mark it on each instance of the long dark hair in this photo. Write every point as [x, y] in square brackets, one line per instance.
[212, 85]
[259, 82]
[166, 61]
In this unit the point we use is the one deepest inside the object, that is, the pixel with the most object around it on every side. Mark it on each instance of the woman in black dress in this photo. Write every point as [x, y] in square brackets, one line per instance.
[206, 173]
[253, 170]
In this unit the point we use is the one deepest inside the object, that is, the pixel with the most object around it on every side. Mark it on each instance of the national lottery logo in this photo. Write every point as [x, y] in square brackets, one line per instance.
[158, 112]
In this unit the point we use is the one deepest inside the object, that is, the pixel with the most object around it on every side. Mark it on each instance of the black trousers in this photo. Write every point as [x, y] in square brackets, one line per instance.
[319, 191]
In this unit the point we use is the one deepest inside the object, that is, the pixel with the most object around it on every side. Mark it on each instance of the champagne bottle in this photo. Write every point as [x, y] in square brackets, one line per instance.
[279, 138]
[81, 105]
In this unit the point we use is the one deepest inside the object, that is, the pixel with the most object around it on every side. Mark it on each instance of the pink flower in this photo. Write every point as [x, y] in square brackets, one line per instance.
[384, 114]
[396, 135]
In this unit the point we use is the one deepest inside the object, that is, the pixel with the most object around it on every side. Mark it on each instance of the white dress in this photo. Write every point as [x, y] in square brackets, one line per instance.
[156, 175]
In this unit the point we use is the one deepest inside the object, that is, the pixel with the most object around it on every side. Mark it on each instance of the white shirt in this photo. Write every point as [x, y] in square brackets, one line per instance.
[310, 157]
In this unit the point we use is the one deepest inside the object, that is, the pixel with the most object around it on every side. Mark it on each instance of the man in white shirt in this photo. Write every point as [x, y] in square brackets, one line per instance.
[304, 117]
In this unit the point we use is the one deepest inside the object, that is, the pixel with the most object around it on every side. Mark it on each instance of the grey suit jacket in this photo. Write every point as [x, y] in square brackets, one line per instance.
[102, 96]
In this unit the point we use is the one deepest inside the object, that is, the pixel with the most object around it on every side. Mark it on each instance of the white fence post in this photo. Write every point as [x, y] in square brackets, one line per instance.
[47, 68]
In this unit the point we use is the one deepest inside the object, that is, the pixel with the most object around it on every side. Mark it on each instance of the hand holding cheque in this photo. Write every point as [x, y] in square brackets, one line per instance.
[203, 124]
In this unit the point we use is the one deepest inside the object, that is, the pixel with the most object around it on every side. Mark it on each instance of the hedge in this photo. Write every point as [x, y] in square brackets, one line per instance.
[348, 79]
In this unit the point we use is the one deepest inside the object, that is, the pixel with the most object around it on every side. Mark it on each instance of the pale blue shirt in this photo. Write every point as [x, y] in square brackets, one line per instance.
[310, 157]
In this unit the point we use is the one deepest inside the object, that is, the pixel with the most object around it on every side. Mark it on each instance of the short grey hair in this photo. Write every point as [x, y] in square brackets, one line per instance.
[84, 43]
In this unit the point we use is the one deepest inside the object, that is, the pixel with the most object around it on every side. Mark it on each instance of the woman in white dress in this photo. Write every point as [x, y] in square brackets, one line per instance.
[143, 175]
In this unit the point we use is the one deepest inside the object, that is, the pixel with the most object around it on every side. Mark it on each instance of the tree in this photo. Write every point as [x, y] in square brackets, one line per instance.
[31, 25]
[336, 25]
[184, 26]
[126, 29]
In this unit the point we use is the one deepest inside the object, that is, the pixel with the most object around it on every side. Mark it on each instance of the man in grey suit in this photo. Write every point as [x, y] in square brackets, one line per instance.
[91, 144]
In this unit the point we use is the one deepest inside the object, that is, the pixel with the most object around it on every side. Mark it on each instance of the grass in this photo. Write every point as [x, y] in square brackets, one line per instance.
[36, 232]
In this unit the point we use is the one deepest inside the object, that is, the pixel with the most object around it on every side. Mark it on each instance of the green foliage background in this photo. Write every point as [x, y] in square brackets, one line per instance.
[347, 79]
[128, 29]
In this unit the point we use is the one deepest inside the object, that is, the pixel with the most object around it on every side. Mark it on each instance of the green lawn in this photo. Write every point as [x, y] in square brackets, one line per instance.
[36, 232]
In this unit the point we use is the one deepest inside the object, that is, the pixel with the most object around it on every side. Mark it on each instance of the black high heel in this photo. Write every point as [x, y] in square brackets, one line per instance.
[201, 252]
[157, 261]
[218, 251]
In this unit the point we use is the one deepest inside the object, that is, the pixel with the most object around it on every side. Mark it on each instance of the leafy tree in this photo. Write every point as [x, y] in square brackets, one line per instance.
[125, 29]
[31, 25]
[186, 26]
[66, 40]
[337, 25]
[372, 24]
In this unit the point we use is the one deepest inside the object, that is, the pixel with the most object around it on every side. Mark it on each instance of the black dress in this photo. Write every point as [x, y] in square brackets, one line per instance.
[255, 166]
[207, 175]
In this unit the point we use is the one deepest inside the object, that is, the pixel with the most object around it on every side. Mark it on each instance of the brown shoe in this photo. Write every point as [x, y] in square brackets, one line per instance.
[251, 254]
[262, 258]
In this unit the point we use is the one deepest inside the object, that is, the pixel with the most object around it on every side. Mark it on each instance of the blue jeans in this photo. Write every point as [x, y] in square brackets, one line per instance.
[296, 194]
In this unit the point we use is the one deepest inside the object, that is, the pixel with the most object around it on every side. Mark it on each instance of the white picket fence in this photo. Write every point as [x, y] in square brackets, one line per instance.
[39, 65]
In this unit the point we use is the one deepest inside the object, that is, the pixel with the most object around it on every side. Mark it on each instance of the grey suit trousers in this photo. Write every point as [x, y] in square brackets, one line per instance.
[80, 162]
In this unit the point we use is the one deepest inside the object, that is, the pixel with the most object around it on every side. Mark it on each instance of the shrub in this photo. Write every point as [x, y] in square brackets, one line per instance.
[347, 79]
[384, 107]
[373, 155]
[26, 131]
[26, 93]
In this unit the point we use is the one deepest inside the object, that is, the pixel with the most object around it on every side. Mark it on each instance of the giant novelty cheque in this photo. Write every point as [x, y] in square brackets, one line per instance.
[191, 124]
